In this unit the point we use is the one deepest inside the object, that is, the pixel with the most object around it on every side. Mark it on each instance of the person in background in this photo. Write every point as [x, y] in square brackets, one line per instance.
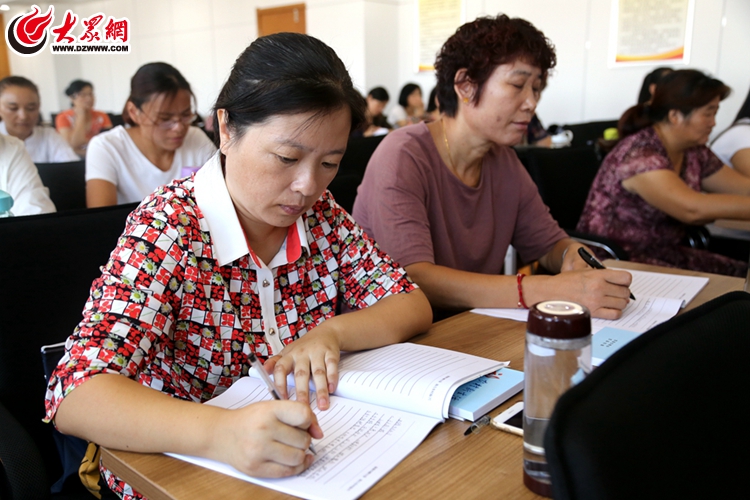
[124, 165]
[20, 179]
[732, 146]
[536, 134]
[81, 122]
[410, 108]
[19, 110]
[433, 108]
[446, 198]
[649, 188]
[375, 123]
[649, 84]
[249, 255]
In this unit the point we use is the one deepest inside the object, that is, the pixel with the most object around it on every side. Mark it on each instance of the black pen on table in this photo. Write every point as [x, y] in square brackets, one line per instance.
[594, 262]
[255, 362]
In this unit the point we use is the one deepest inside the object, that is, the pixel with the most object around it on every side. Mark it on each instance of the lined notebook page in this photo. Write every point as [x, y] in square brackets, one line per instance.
[362, 443]
[666, 286]
[411, 377]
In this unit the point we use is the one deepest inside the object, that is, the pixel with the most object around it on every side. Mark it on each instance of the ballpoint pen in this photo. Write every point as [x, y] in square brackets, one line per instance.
[594, 262]
[255, 362]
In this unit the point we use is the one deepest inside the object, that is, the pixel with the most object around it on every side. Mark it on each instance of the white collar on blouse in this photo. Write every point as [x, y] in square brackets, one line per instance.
[227, 236]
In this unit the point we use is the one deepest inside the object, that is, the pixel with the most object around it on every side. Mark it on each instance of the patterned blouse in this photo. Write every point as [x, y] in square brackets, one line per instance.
[182, 300]
[645, 232]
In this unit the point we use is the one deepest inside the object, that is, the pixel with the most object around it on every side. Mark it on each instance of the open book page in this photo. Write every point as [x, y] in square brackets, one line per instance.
[411, 377]
[639, 315]
[667, 286]
[362, 443]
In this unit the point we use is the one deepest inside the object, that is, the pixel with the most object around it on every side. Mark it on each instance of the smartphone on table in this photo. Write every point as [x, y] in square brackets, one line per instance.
[511, 420]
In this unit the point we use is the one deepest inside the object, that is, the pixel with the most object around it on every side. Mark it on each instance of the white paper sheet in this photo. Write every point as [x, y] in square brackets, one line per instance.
[362, 443]
[659, 298]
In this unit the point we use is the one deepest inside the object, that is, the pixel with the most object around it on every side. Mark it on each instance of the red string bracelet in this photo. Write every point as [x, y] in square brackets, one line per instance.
[521, 303]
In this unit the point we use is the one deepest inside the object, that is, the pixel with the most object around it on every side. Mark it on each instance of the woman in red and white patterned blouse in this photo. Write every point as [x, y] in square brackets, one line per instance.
[251, 254]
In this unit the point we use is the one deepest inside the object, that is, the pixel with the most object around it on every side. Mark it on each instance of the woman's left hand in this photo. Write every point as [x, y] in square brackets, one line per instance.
[315, 355]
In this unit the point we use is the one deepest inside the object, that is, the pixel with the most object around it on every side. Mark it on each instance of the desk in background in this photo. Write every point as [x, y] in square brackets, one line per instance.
[485, 465]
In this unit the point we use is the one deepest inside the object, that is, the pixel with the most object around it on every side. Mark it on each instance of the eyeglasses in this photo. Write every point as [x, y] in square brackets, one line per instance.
[169, 123]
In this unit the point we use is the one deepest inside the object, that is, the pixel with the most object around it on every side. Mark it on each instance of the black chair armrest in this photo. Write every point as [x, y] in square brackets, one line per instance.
[614, 250]
[22, 471]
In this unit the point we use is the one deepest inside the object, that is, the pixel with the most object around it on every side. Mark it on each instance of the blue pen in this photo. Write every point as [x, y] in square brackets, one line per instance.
[255, 362]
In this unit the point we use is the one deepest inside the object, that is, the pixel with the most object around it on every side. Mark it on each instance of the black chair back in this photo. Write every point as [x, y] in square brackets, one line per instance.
[663, 417]
[66, 183]
[49, 262]
[116, 119]
[586, 134]
[564, 177]
[352, 170]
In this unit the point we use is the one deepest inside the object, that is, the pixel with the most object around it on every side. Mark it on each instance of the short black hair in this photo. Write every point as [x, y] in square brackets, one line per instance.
[406, 90]
[380, 94]
[18, 81]
[284, 74]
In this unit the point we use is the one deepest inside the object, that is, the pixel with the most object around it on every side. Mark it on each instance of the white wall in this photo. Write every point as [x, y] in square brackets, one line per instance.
[376, 40]
[583, 87]
[201, 38]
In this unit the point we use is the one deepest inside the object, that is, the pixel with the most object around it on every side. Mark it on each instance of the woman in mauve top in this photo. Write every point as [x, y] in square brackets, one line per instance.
[651, 186]
[445, 199]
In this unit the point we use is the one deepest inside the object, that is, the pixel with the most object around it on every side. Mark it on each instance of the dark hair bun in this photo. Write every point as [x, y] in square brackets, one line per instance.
[77, 86]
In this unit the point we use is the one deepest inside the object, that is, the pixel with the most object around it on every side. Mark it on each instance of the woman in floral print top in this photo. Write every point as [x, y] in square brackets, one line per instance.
[648, 190]
[249, 255]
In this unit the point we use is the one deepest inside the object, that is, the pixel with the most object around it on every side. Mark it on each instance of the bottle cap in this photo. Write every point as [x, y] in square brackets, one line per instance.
[559, 319]
[6, 201]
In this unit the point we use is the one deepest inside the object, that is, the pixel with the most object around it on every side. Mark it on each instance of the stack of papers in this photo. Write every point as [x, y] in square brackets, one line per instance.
[659, 298]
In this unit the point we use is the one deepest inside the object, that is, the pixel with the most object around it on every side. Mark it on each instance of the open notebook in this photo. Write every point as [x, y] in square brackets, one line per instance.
[387, 401]
[658, 298]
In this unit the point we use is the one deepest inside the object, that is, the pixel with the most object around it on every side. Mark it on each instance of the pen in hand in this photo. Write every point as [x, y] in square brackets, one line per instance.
[255, 362]
[594, 262]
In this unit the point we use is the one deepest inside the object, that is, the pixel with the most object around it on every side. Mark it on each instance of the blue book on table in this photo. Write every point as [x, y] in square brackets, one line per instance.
[478, 397]
[607, 341]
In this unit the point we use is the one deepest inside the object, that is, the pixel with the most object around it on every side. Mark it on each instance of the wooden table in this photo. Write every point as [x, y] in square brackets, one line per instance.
[446, 464]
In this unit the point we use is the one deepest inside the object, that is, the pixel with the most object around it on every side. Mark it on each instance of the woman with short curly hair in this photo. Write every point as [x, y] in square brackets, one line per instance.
[447, 198]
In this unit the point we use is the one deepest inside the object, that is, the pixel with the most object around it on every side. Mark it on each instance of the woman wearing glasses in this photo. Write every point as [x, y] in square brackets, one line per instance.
[126, 164]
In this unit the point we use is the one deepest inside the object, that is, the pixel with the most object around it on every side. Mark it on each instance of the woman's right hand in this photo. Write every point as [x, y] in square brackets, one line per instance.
[266, 439]
[604, 292]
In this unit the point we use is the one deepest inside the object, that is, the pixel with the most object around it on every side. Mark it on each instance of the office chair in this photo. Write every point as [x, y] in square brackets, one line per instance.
[352, 170]
[586, 134]
[564, 177]
[49, 262]
[66, 183]
[666, 416]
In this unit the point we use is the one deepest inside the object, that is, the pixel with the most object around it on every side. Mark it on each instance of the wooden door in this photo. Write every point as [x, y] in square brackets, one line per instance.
[4, 63]
[288, 18]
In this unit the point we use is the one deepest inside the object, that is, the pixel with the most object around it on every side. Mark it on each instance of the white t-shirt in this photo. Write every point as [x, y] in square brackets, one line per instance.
[45, 145]
[733, 139]
[20, 179]
[397, 114]
[113, 156]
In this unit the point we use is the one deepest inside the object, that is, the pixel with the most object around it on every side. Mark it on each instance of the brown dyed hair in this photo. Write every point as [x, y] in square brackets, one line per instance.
[683, 90]
[481, 46]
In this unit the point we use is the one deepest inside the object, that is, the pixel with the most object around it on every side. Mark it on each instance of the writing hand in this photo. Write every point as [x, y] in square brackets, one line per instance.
[267, 439]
